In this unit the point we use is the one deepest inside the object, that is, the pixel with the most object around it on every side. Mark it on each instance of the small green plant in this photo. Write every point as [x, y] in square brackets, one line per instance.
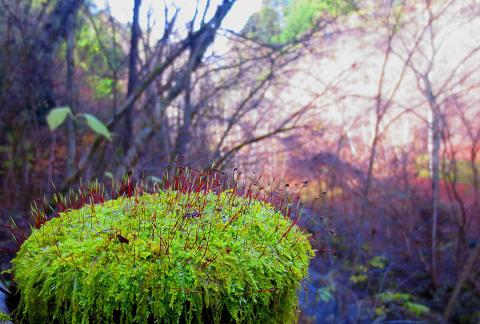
[191, 250]
[57, 116]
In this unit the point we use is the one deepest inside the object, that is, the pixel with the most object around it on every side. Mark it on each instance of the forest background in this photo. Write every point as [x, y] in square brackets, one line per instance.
[374, 103]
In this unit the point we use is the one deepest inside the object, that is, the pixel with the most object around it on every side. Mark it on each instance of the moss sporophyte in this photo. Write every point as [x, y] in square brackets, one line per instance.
[190, 248]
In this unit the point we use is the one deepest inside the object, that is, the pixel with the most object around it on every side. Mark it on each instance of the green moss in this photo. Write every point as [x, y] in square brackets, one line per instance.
[4, 317]
[168, 257]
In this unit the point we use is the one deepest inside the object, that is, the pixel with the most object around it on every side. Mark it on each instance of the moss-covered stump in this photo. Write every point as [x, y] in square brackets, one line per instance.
[166, 257]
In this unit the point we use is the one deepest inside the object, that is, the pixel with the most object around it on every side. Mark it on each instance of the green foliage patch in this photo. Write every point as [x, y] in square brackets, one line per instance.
[459, 171]
[100, 54]
[302, 15]
[167, 257]
[283, 21]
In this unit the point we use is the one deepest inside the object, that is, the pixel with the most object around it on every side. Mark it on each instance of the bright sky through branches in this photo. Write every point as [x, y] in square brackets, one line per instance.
[235, 20]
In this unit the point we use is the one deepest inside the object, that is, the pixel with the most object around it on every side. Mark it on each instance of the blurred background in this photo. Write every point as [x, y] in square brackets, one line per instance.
[376, 103]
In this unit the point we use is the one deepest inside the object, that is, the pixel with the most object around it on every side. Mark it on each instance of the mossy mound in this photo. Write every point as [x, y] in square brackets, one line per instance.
[167, 257]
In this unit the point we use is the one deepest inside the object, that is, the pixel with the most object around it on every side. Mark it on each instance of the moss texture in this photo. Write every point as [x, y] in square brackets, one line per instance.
[165, 257]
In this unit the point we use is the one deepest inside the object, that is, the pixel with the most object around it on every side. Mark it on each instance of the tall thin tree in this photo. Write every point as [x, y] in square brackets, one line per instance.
[132, 75]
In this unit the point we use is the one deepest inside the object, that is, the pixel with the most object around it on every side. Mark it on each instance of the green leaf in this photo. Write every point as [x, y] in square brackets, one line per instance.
[57, 116]
[97, 126]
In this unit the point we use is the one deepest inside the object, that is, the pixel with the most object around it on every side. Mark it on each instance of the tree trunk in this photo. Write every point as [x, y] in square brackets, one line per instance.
[70, 96]
[46, 49]
[132, 75]
[435, 136]
[369, 179]
[184, 133]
